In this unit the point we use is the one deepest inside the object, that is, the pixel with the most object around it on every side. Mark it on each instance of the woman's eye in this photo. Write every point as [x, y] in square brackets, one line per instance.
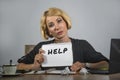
[59, 20]
[51, 24]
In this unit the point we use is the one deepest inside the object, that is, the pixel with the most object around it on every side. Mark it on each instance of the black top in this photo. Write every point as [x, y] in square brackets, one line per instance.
[82, 52]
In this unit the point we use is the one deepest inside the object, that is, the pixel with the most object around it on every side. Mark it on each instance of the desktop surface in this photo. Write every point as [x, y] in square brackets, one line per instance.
[63, 77]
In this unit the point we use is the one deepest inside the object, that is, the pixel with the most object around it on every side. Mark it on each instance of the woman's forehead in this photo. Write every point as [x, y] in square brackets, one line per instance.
[50, 18]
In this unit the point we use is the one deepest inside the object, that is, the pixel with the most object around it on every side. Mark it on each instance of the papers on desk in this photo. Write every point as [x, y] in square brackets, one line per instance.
[59, 54]
[54, 71]
[60, 72]
[35, 72]
[49, 72]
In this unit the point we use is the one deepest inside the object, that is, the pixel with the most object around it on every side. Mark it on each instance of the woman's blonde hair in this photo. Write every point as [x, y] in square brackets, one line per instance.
[53, 12]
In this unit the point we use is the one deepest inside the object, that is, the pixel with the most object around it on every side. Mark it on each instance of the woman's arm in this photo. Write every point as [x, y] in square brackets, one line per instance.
[35, 65]
[23, 66]
[98, 65]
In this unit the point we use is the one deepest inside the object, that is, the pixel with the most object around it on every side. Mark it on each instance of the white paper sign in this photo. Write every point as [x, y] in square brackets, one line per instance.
[59, 54]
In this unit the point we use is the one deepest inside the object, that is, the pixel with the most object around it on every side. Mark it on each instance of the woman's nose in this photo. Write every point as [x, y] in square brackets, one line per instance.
[57, 27]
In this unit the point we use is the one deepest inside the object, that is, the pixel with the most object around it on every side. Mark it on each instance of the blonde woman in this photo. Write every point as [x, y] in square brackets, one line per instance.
[55, 24]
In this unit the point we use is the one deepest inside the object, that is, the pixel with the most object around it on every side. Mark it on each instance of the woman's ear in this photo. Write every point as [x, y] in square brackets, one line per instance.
[50, 33]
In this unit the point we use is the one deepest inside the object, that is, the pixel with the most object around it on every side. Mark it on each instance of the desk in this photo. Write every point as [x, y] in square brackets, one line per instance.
[61, 77]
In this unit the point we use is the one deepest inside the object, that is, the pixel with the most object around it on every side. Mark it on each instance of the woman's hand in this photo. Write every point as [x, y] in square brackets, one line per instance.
[36, 65]
[77, 66]
[38, 59]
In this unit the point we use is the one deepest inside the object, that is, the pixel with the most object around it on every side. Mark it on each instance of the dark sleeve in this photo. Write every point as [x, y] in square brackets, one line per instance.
[29, 58]
[90, 55]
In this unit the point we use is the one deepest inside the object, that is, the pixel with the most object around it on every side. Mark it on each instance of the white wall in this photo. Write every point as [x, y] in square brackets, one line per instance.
[94, 20]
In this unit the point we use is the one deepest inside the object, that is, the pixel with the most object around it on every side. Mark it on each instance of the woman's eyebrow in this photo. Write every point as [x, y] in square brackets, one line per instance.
[51, 21]
[58, 18]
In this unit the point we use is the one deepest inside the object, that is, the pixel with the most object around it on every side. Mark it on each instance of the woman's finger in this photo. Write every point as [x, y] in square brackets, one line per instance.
[76, 66]
[41, 51]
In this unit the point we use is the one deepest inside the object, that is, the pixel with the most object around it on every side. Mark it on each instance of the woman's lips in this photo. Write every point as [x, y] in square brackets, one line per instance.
[60, 32]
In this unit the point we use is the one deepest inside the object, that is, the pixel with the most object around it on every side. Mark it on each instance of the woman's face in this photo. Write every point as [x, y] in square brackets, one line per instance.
[57, 27]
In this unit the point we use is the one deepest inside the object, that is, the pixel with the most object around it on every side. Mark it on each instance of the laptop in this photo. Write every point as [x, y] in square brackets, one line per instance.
[114, 66]
[114, 63]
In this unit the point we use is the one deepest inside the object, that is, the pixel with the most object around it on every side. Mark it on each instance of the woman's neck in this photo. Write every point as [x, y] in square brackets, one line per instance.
[62, 40]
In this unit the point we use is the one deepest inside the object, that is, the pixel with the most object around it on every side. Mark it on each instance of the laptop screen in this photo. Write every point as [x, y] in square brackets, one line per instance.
[114, 66]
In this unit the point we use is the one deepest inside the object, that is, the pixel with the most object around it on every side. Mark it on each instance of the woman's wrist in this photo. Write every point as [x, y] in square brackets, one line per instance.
[34, 67]
[87, 65]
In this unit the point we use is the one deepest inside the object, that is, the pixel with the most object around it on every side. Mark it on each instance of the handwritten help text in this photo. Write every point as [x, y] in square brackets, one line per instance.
[57, 51]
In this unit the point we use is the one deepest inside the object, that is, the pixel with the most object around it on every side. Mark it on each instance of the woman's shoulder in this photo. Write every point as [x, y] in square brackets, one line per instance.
[43, 43]
[46, 42]
[74, 40]
[81, 42]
